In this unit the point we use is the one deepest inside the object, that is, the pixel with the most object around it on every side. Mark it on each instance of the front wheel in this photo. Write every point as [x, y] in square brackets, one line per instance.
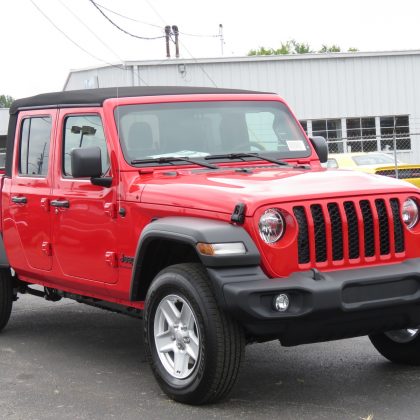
[194, 348]
[6, 297]
[399, 346]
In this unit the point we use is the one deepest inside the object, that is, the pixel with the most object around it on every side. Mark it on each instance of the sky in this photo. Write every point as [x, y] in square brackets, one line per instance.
[36, 56]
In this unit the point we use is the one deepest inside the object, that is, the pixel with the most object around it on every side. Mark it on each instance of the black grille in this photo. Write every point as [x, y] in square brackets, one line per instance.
[352, 229]
[368, 227]
[336, 231]
[383, 226]
[398, 226]
[402, 173]
[303, 237]
[358, 222]
[320, 235]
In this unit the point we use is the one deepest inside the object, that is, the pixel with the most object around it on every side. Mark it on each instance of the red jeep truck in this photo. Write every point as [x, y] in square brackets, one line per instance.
[207, 213]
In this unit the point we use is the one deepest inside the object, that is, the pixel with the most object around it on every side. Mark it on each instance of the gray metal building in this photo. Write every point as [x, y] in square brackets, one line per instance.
[362, 101]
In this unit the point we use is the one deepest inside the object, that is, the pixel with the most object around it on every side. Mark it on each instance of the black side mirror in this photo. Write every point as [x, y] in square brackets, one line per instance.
[86, 162]
[321, 147]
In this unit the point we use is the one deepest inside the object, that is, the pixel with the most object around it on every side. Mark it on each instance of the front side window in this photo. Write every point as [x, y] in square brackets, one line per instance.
[82, 131]
[35, 146]
[200, 129]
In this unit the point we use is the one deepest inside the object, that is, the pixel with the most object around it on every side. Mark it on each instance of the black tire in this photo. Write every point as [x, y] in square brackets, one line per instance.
[221, 343]
[6, 297]
[405, 353]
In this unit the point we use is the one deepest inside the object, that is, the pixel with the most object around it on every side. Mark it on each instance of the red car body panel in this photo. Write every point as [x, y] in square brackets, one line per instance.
[84, 247]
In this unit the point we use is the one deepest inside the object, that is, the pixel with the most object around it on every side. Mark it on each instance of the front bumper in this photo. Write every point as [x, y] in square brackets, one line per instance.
[323, 306]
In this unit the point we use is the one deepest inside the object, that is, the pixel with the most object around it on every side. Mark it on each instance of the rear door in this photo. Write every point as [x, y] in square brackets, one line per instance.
[31, 189]
[83, 215]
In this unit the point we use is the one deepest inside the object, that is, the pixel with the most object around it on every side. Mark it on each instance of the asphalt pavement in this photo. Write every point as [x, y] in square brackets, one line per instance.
[68, 361]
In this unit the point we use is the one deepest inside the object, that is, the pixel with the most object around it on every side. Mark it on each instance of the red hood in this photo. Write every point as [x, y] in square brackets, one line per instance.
[221, 190]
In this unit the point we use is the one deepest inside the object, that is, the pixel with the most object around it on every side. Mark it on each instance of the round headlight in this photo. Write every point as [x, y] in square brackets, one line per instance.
[271, 226]
[410, 213]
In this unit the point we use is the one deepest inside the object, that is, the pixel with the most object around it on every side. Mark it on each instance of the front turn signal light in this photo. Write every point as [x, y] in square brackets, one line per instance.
[228, 248]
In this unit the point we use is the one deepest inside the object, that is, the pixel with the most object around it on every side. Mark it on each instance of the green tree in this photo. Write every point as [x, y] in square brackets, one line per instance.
[288, 47]
[352, 49]
[332, 48]
[5, 101]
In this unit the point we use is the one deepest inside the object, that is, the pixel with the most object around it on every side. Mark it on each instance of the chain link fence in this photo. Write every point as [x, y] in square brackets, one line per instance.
[395, 155]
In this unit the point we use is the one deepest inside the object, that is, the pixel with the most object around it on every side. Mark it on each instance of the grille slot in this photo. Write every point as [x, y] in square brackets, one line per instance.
[359, 219]
[336, 231]
[352, 229]
[383, 227]
[320, 235]
[303, 235]
[368, 228]
[398, 226]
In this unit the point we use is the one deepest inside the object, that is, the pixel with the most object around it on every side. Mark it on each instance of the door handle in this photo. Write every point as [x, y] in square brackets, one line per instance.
[60, 203]
[19, 200]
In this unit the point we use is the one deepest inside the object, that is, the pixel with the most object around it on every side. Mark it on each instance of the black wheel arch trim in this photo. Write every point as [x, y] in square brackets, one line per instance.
[190, 231]
[4, 261]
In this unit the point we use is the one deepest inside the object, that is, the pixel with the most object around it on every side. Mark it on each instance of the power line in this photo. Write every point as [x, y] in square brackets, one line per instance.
[121, 29]
[151, 24]
[127, 17]
[90, 30]
[78, 45]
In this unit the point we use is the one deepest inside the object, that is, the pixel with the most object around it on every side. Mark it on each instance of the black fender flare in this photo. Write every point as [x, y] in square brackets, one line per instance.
[190, 231]
[4, 261]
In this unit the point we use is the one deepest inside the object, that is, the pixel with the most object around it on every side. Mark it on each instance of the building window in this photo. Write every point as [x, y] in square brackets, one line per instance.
[304, 125]
[331, 131]
[35, 146]
[399, 126]
[361, 134]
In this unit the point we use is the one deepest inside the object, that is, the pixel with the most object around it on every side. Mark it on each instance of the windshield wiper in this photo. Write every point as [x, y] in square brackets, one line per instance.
[244, 155]
[173, 159]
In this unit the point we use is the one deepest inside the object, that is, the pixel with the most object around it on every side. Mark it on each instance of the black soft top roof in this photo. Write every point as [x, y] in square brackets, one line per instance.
[98, 96]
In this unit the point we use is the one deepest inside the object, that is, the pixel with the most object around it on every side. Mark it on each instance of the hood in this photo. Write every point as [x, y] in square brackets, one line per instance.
[221, 190]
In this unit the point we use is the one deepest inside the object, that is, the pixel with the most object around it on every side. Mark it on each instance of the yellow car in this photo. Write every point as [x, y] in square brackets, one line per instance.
[375, 163]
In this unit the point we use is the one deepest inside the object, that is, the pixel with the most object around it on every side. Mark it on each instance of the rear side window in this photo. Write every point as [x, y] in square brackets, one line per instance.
[82, 131]
[35, 146]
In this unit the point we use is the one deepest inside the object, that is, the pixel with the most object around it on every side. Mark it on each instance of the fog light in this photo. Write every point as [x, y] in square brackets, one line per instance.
[281, 302]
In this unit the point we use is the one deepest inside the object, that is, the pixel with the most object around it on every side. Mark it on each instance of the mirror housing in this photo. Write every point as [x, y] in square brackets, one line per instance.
[86, 162]
[321, 147]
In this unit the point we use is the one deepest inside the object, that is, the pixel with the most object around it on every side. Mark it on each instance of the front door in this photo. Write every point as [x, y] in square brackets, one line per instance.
[30, 191]
[84, 215]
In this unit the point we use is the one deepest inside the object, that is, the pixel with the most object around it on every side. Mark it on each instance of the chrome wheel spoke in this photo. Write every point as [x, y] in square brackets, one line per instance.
[186, 317]
[181, 360]
[165, 342]
[192, 349]
[170, 312]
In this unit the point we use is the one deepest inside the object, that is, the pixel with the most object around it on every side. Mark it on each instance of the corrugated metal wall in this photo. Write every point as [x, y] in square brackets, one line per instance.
[316, 86]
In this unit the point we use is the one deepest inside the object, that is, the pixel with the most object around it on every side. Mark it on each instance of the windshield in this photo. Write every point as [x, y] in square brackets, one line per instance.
[199, 129]
[373, 159]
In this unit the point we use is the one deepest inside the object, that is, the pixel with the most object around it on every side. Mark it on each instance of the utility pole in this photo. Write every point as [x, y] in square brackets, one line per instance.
[167, 34]
[175, 31]
[222, 40]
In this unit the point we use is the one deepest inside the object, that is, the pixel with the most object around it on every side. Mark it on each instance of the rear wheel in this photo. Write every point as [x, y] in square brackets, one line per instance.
[6, 297]
[399, 346]
[194, 348]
